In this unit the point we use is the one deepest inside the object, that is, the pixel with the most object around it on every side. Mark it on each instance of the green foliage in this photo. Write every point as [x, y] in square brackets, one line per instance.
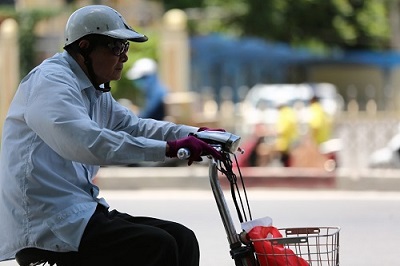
[181, 4]
[27, 21]
[7, 11]
[345, 24]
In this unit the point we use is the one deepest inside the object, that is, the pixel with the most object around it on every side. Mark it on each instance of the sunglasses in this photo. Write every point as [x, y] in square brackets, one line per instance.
[118, 47]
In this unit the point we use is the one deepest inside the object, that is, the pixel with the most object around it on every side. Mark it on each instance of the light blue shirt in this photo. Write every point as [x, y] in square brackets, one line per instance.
[58, 131]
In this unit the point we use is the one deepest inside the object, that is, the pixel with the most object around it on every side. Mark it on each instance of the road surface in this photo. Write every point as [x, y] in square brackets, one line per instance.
[369, 221]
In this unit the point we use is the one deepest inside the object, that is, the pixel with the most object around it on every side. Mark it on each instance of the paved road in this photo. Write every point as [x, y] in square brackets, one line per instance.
[369, 220]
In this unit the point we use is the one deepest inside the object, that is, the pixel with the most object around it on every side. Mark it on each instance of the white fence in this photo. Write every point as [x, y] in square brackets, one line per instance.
[361, 132]
[361, 135]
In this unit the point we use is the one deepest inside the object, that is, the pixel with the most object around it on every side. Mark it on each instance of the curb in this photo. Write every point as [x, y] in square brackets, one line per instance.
[368, 179]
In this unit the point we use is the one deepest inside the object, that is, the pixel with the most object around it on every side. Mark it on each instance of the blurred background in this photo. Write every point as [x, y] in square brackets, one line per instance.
[235, 64]
[311, 84]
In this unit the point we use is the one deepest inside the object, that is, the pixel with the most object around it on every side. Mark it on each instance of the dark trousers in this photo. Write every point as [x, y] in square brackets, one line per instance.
[114, 238]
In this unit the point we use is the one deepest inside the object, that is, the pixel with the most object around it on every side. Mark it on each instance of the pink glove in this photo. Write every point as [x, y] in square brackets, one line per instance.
[210, 129]
[196, 147]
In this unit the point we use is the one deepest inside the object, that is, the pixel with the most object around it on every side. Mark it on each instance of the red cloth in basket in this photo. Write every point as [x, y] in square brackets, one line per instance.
[269, 254]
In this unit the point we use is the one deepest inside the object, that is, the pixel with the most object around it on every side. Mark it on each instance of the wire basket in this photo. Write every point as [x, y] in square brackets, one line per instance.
[314, 246]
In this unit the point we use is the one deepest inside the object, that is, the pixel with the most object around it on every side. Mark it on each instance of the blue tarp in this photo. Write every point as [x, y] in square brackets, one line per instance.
[222, 61]
[387, 59]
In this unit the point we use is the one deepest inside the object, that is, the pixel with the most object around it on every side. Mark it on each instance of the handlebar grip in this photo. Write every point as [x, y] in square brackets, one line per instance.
[183, 153]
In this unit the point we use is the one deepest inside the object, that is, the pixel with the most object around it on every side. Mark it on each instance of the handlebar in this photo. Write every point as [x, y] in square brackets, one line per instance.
[183, 153]
[222, 141]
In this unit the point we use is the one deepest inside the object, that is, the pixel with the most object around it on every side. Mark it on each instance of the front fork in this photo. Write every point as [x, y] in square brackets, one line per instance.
[243, 255]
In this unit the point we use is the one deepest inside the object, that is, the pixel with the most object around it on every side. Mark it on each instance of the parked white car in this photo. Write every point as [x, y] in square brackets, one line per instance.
[261, 102]
[388, 156]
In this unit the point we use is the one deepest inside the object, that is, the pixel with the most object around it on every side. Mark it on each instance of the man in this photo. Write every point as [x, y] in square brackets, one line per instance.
[62, 124]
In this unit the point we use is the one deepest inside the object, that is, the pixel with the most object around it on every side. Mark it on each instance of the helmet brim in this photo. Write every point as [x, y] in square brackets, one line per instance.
[126, 34]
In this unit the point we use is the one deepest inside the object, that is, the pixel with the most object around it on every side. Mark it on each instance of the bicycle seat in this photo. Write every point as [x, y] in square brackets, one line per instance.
[35, 256]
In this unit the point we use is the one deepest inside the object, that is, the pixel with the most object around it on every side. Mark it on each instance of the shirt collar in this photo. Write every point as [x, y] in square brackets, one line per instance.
[83, 80]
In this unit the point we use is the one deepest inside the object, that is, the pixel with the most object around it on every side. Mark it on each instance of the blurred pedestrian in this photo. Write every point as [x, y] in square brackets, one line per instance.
[286, 132]
[319, 122]
[145, 77]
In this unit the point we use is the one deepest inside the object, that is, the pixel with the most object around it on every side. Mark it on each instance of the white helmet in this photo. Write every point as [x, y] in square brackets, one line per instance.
[141, 68]
[99, 19]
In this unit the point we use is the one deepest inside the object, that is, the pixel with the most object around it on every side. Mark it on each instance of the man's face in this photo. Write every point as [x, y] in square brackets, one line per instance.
[108, 60]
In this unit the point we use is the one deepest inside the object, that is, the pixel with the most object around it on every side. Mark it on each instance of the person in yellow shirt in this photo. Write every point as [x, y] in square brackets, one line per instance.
[287, 132]
[319, 122]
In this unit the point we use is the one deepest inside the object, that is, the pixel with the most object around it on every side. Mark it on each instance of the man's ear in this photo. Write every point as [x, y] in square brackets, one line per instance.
[83, 45]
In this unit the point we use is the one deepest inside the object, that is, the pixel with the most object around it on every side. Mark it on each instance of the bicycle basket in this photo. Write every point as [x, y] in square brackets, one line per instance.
[317, 246]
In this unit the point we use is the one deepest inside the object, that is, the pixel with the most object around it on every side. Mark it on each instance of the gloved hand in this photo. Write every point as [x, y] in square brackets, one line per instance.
[210, 129]
[196, 147]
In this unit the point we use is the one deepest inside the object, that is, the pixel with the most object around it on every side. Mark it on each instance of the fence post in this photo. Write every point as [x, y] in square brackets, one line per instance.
[9, 65]
[174, 68]
[174, 56]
